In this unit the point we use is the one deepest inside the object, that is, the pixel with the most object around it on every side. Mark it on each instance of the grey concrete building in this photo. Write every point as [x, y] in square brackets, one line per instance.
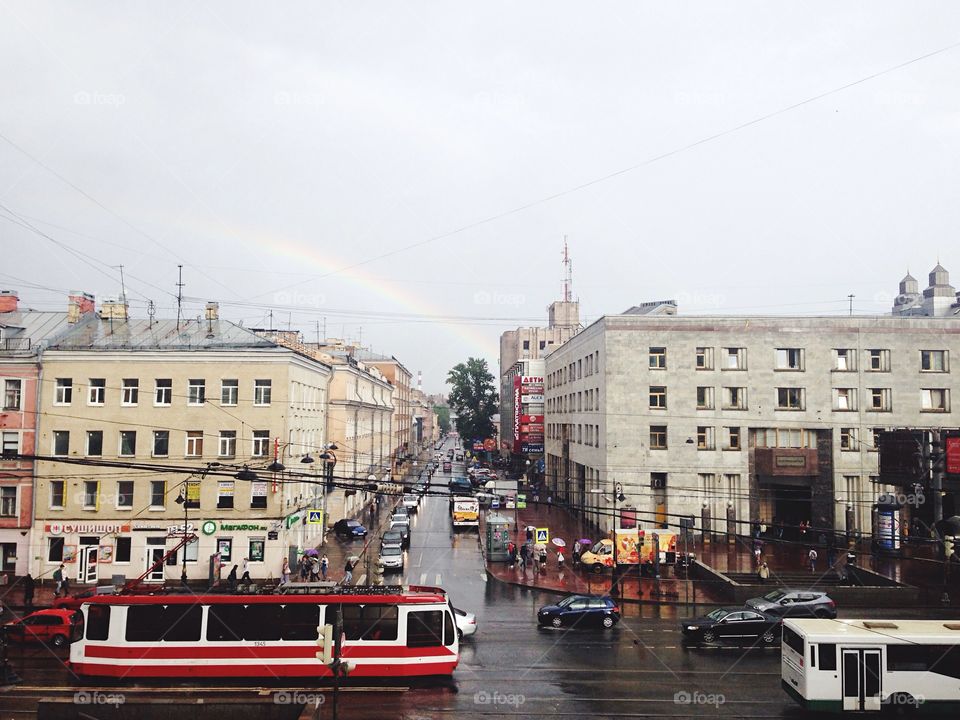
[758, 418]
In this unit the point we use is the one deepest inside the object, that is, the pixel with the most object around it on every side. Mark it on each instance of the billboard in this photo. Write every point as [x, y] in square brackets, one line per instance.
[533, 399]
[516, 413]
[953, 454]
[531, 418]
[531, 448]
[532, 428]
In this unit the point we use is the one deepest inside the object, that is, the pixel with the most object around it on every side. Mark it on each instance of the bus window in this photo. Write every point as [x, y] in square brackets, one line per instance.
[98, 622]
[793, 641]
[828, 656]
[381, 622]
[425, 629]
[813, 655]
[299, 622]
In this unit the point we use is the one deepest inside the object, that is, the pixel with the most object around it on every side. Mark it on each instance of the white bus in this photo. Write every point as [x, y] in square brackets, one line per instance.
[872, 665]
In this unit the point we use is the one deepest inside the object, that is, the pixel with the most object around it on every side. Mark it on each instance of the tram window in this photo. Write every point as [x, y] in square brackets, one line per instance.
[299, 622]
[448, 633]
[380, 622]
[144, 623]
[182, 623]
[225, 623]
[261, 622]
[352, 621]
[828, 656]
[425, 629]
[98, 622]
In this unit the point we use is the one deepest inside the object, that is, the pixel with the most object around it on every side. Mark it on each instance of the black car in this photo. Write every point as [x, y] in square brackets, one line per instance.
[395, 537]
[582, 611]
[795, 603]
[349, 529]
[733, 624]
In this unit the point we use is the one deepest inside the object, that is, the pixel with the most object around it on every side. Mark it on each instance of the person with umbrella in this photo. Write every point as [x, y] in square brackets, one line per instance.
[524, 556]
[560, 543]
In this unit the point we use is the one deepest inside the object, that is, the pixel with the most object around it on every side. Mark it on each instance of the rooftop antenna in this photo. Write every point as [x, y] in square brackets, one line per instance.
[567, 273]
[151, 311]
[179, 295]
[850, 298]
[271, 321]
[123, 287]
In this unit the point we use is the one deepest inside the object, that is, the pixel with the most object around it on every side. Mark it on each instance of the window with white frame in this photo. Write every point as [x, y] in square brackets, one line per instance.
[163, 391]
[58, 491]
[734, 398]
[194, 443]
[61, 442]
[196, 392]
[130, 392]
[704, 358]
[735, 358]
[844, 399]
[124, 494]
[229, 392]
[94, 443]
[228, 443]
[128, 443]
[878, 360]
[933, 361]
[786, 438]
[261, 443]
[658, 358]
[8, 501]
[844, 359]
[733, 441]
[789, 359]
[705, 438]
[11, 443]
[704, 398]
[262, 392]
[12, 393]
[63, 394]
[848, 439]
[91, 494]
[97, 391]
[935, 400]
[880, 399]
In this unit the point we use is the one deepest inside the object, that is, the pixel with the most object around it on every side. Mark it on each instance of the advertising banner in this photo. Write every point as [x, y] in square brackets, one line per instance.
[516, 413]
[531, 448]
[953, 455]
[531, 418]
[534, 399]
[536, 428]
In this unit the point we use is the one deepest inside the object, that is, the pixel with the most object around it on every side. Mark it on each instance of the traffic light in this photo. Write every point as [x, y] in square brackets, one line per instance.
[325, 641]
[948, 546]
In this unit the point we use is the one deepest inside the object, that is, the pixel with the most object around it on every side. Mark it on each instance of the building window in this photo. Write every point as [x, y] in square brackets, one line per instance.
[735, 358]
[11, 443]
[878, 360]
[228, 443]
[54, 549]
[848, 439]
[124, 494]
[543, 344]
[658, 358]
[705, 438]
[880, 399]
[58, 490]
[734, 398]
[935, 400]
[64, 391]
[161, 443]
[121, 553]
[261, 443]
[786, 438]
[733, 438]
[163, 393]
[97, 392]
[91, 494]
[933, 361]
[258, 496]
[658, 437]
[196, 392]
[789, 359]
[8, 501]
[844, 360]
[658, 397]
[704, 358]
[12, 392]
[225, 494]
[194, 443]
[789, 398]
[526, 344]
[131, 392]
[844, 399]
[229, 390]
[158, 494]
[704, 398]
[61, 442]
[95, 443]
[261, 392]
[128, 443]
[658, 481]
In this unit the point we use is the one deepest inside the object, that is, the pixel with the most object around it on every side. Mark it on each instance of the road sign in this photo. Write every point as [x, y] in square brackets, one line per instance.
[543, 535]
[315, 517]
[495, 503]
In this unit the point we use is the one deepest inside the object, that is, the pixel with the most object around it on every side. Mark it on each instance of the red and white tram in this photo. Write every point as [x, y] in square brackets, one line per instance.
[387, 632]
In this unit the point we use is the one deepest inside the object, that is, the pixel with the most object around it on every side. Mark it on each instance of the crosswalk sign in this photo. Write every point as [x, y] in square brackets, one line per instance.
[315, 517]
[543, 535]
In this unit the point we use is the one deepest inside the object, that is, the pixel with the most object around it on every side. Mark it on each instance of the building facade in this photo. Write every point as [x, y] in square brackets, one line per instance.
[743, 419]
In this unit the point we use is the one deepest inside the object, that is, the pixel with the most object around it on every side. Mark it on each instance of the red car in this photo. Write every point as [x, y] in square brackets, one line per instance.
[59, 627]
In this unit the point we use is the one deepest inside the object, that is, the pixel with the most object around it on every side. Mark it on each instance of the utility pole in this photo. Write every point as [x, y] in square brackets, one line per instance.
[850, 298]
[179, 295]
[936, 474]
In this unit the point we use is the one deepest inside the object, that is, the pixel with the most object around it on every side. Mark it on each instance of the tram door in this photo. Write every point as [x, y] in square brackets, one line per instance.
[88, 565]
[861, 680]
[154, 556]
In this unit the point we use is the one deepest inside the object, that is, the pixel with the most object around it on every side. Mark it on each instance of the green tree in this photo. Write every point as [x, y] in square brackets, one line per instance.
[473, 398]
[443, 417]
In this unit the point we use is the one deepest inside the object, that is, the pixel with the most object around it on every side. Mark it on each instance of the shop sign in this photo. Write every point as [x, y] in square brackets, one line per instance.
[209, 527]
[229, 527]
[82, 528]
[533, 399]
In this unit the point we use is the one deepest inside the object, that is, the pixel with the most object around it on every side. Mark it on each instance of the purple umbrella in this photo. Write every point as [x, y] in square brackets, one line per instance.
[313, 552]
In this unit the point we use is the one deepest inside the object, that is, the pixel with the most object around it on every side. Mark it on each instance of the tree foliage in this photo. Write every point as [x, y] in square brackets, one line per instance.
[473, 398]
[443, 417]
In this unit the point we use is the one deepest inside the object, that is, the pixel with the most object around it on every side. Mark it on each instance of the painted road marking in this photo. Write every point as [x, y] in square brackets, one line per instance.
[439, 582]
[483, 576]
[423, 578]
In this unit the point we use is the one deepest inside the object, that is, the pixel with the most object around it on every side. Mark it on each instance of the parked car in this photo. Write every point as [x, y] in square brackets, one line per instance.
[795, 603]
[58, 627]
[411, 501]
[447, 466]
[580, 611]
[391, 557]
[395, 538]
[466, 622]
[735, 624]
[349, 529]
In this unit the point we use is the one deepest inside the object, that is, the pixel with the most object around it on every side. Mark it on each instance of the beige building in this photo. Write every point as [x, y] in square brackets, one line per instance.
[426, 428]
[202, 398]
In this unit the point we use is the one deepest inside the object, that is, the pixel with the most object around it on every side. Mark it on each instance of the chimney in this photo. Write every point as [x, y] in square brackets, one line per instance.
[80, 304]
[8, 301]
[213, 311]
[113, 309]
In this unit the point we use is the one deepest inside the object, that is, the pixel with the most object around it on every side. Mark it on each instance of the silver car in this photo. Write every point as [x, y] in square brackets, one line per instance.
[795, 603]
[391, 557]
[466, 622]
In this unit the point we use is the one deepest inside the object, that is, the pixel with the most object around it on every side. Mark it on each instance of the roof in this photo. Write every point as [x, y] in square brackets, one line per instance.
[25, 330]
[899, 630]
[159, 335]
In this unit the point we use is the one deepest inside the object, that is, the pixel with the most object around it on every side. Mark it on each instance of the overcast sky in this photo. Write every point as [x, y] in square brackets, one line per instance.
[376, 165]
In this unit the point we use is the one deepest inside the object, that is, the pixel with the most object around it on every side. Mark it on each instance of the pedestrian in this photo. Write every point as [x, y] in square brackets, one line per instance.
[543, 560]
[66, 584]
[58, 579]
[314, 569]
[524, 557]
[511, 553]
[560, 560]
[577, 551]
[244, 568]
[764, 572]
[304, 568]
[812, 557]
[232, 579]
[763, 527]
[28, 587]
[757, 552]
[285, 572]
[348, 572]
[324, 567]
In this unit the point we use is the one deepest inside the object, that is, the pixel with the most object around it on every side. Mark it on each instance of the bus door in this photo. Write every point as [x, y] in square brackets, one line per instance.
[861, 679]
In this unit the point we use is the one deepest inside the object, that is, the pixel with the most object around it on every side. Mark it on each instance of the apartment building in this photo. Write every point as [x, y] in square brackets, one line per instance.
[746, 418]
[204, 395]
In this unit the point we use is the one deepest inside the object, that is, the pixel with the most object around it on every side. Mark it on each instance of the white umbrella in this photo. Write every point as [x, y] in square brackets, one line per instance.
[559, 542]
